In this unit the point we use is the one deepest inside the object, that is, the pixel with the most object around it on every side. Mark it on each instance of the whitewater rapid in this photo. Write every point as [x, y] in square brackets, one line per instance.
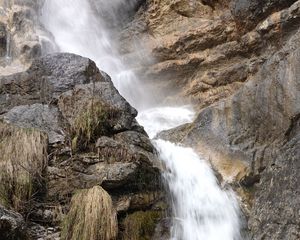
[201, 210]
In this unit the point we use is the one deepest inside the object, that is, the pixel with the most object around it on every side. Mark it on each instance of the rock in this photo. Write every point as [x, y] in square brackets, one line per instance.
[250, 12]
[140, 224]
[94, 138]
[256, 133]
[46, 79]
[104, 94]
[203, 53]
[12, 225]
[43, 117]
[27, 35]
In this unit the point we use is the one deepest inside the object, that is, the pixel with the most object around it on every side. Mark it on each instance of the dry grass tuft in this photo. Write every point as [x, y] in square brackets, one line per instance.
[91, 216]
[23, 159]
[94, 121]
[140, 225]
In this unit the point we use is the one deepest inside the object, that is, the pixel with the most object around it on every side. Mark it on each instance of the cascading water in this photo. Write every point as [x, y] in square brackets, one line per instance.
[201, 209]
[8, 56]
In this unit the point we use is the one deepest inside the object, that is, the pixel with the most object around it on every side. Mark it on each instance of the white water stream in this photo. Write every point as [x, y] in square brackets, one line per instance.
[201, 209]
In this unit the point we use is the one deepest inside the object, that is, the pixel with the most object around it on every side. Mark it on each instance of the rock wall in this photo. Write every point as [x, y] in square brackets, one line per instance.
[237, 63]
[204, 51]
[22, 37]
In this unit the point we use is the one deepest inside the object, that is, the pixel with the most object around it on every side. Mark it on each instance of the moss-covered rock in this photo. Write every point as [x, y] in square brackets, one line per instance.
[140, 225]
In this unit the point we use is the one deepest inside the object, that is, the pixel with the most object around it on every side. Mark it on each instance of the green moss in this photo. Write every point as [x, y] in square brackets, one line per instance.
[140, 225]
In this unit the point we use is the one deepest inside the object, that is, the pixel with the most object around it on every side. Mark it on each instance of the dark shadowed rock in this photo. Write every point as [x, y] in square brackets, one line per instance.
[250, 12]
[12, 225]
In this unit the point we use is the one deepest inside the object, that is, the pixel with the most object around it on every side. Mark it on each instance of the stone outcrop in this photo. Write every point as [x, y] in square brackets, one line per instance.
[203, 50]
[94, 139]
[237, 63]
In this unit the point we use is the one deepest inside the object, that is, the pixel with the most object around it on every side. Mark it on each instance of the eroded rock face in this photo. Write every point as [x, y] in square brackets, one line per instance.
[252, 139]
[236, 62]
[94, 138]
[204, 51]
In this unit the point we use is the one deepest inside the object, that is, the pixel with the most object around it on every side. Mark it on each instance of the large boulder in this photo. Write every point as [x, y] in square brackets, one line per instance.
[94, 138]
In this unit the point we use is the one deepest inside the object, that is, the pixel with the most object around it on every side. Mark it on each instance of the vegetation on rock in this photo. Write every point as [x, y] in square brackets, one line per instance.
[23, 158]
[140, 225]
[91, 216]
[91, 123]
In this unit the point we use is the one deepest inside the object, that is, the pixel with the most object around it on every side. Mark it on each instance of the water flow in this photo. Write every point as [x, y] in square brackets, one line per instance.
[201, 209]
[77, 29]
[8, 57]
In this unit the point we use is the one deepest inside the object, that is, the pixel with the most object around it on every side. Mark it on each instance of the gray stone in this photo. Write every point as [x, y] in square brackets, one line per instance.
[12, 225]
[43, 117]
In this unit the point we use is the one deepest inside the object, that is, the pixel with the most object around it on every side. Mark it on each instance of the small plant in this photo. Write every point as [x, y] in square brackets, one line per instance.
[140, 225]
[23, 159]
[91, 216]
[96, 120]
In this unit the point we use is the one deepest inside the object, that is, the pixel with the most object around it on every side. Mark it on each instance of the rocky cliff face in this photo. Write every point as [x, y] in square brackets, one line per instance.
[237, 63]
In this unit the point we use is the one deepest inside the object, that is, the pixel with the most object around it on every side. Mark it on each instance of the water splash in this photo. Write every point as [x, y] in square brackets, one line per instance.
[158, 119]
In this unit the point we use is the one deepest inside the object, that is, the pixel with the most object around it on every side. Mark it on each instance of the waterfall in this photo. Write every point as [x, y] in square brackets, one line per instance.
[201, 209]
[78, 30]
[8, 55]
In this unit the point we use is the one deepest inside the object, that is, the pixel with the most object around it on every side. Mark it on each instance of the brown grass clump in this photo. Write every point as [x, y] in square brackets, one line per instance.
[23, 158]
[91, 216]
[94, 121]
[140, 225]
